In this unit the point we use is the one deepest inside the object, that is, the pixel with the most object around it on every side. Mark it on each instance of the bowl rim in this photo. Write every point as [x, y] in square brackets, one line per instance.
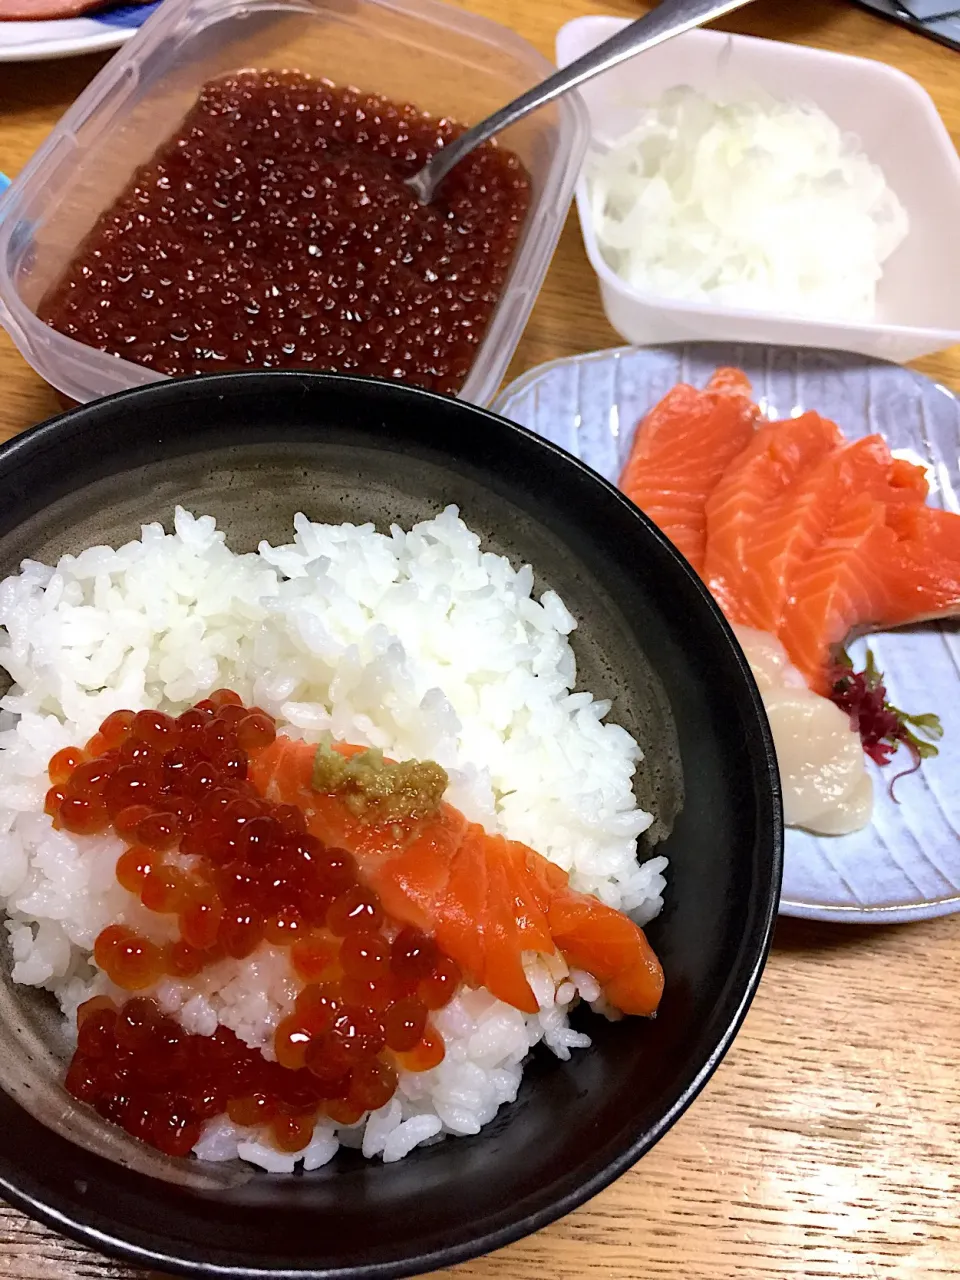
[742, 979]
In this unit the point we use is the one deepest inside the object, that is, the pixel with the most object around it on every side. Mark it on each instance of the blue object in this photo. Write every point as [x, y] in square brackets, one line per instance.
[128, 15]
[4, 183]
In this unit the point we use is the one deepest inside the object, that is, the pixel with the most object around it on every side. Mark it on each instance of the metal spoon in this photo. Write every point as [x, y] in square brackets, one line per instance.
[668, 19]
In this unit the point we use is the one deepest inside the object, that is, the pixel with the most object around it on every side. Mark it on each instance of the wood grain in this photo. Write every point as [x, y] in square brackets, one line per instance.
[826, 1144]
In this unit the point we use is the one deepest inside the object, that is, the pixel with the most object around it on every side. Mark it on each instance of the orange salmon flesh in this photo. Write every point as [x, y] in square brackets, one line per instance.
[795, 530]
[486, 899]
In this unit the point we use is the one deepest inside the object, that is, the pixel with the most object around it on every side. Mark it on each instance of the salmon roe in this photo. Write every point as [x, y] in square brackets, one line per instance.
[141, 1071]
[233, 870]
[275, 229]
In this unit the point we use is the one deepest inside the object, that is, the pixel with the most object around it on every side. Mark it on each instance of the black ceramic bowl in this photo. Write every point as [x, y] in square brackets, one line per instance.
[253, 449]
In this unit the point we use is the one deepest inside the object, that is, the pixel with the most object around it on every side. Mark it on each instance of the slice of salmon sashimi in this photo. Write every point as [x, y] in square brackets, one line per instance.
[796, 531]
[750, 540]
[680, 451]
[776, 502]
[814, 539]
[879, 565]
[486, 899]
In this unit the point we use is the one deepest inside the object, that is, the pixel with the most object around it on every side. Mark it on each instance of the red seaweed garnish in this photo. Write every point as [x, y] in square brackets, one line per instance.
[883, 728]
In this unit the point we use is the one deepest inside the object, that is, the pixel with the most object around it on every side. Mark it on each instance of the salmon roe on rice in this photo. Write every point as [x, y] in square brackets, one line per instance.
[231, 870]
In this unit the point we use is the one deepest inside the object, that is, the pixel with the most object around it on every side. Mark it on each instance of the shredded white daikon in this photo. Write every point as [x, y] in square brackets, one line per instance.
[759, 204]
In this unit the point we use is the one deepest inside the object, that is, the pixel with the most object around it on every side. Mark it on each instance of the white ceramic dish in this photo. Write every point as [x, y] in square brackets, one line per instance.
[919, 295]
[69, 37]
[906, 864]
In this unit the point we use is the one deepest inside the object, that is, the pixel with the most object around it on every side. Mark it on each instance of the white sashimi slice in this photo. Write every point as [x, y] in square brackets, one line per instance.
[820, 758]
[768, 660]
[826, 788]
[851, 814]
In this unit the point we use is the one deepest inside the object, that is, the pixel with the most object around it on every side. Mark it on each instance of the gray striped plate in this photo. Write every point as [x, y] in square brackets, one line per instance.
[906, 864]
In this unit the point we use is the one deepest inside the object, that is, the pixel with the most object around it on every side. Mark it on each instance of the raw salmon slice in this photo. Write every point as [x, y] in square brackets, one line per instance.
[776, 502]
[486, 899]
[796, 532]
[681, 450]
[879, 565]
[743, 564]
[460, 929]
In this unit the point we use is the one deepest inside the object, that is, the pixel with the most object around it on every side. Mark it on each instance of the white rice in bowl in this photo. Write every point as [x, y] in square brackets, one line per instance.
[416, 642]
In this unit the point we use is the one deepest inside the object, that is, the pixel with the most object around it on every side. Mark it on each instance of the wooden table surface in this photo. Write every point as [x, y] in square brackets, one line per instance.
[827, 1143]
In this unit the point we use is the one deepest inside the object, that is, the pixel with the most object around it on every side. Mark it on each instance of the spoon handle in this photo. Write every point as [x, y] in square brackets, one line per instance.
[669, 18]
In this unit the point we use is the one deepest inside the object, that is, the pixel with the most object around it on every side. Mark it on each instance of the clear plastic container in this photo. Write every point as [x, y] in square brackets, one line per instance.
[444, 60]
[918, 299]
